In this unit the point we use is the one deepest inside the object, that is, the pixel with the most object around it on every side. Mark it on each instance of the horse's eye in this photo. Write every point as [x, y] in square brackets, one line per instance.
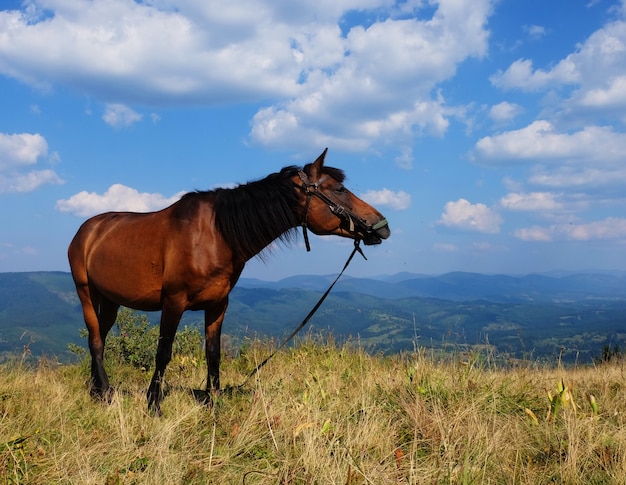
[341, 189]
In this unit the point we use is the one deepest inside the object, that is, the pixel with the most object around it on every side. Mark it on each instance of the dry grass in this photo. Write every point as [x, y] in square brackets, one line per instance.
[318, 414]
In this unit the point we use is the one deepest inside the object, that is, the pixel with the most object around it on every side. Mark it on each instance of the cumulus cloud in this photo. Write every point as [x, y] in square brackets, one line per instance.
[19, 155]
[594, 70]
[606, 96]
[535, 32]
[591, 156]
[383, 79]
[315, 76]
[573, 177]
[522, 75]
[387, 198]
[541, 141]
[21, 149]
[611, 228]
[505, 111]
[578, 142]
[27, 181]
[118, 197]
[445, 247]
[533, 201]
[405, 159]
[535, 233]
[472, 217]
[119, 115]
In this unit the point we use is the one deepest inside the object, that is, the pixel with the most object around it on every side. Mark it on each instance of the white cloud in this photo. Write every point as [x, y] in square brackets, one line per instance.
[610, 228]
[387, 198]
[384, 79]
[473, 217]
[613, 93]
[541, 142]
[505, 111]
[589, 157]
[21, 149]
[118, 197]
[484, 247]
[572, 177]
[521, 75]
[19, 154]
[9, 251]
[579, 140]
[533, 201]
[595, 70]
[405, 159]
[315, 78]
[27, 181]
[534, 234]
[445, 247]
[119, 115]
[535, 32]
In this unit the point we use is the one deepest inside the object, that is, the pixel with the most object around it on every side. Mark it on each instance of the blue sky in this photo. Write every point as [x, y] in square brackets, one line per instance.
[491, 134]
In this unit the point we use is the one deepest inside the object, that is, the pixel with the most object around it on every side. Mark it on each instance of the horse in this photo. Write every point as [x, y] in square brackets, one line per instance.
[189, 256]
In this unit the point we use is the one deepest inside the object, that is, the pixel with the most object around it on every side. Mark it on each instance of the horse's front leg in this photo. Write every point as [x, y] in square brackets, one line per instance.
[213, 318]
[170, 318]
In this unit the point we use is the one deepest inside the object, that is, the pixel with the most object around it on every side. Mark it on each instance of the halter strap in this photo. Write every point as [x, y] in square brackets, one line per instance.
[312, 189]
[357, 249]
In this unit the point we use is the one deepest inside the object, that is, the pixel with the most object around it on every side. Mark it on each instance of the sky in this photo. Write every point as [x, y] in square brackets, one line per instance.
[490, 133]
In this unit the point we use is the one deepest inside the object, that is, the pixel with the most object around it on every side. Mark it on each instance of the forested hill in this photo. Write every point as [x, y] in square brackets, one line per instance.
[533, 316]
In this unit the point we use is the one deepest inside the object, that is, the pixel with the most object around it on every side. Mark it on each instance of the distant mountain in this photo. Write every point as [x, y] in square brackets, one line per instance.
[39, 312]
[520, 316]
[461, 286]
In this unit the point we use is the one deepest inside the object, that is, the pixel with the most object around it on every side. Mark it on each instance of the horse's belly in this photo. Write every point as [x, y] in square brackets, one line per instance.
[132, 293]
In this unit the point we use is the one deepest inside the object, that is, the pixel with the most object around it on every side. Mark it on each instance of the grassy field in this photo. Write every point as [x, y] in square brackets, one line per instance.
[319, 414]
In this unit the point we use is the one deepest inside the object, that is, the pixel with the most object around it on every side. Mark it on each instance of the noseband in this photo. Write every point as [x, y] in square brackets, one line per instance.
[354, 221]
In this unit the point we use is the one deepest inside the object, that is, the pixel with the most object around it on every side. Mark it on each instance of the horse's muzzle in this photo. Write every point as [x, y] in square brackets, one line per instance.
[379, 232]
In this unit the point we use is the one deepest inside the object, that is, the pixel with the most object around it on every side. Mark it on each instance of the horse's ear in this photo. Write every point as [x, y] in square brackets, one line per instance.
[316, 167]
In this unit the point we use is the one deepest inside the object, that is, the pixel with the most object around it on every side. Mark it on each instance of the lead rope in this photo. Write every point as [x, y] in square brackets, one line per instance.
[357, 248]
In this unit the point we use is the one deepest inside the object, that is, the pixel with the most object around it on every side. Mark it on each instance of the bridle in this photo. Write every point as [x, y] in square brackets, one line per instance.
[356, 224]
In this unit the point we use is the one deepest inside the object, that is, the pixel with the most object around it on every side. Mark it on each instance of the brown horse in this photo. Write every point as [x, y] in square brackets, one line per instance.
[190, 255]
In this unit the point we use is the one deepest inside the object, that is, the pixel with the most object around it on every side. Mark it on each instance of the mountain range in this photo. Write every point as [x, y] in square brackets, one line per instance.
[570, 316]
[460, 286]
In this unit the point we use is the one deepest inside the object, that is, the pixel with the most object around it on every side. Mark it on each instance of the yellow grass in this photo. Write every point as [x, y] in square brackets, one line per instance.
[319, 414]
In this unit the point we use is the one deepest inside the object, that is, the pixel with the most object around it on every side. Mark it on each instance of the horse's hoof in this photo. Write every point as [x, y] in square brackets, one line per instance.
[104, 395]
[155, 410]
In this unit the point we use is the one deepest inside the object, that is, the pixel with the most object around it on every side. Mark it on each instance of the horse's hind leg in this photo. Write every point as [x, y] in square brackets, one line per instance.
[107, 314]
[100, 315]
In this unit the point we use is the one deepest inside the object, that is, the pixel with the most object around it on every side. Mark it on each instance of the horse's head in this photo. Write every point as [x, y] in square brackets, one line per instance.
[329, 208]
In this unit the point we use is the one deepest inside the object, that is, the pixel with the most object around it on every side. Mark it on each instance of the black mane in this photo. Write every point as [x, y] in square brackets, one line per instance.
[251, 216]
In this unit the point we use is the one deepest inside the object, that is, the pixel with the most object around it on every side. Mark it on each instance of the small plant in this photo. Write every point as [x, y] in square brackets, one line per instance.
[562, 399]
[609, 354]
[14, 461]
[134, 341]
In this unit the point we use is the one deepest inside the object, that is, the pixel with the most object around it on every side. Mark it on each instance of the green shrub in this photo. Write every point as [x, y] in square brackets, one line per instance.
[133, 340]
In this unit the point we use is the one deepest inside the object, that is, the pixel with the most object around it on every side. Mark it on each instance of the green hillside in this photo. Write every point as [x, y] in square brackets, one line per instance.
[41, 311]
